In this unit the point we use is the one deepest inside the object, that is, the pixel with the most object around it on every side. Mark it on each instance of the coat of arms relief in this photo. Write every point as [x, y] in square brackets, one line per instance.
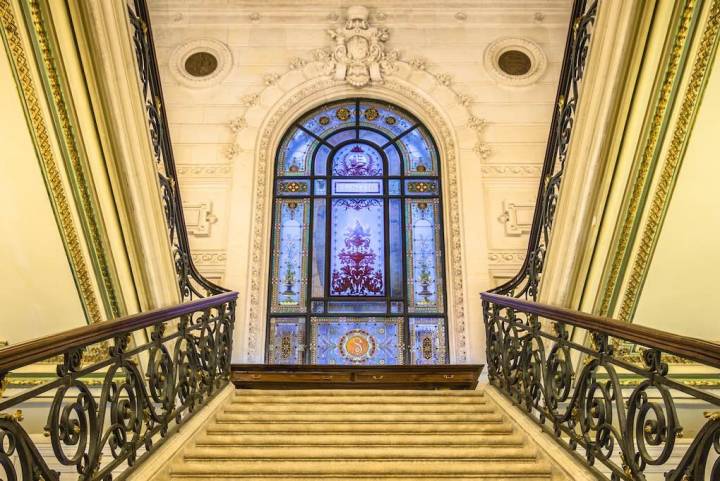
[359, 55]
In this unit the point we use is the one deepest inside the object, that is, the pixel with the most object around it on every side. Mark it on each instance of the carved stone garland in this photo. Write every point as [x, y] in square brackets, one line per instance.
[360, 58]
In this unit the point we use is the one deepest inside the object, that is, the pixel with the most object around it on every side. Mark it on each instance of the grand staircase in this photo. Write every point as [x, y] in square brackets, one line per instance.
[360, 434]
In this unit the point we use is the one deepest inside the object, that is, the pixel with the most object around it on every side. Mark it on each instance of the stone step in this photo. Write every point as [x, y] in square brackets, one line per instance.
[374, 469]
[359, 439]
[353, 417]
[356, 393]
[247, 453]
[350, 399]
[352, 428]
[373, 477]
[358, 407]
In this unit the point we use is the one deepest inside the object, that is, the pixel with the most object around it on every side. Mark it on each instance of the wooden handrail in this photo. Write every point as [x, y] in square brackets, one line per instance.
[18, 355]
[687, 347]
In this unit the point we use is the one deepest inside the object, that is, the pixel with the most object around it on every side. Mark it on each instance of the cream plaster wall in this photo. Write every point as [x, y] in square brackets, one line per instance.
[38, 293]
[216, 129]
[683, 270]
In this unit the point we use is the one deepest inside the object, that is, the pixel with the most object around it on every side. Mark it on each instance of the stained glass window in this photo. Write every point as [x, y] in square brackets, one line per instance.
[357, 264]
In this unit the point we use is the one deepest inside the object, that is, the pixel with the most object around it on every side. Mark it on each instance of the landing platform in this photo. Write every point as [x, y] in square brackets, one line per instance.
[264, 376]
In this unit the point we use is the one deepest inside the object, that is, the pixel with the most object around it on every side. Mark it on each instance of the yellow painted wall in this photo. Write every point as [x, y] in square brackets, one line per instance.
[37, 290]
[682, 278]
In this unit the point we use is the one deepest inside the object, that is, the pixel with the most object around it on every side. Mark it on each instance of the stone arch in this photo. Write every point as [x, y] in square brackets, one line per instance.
[269, 114]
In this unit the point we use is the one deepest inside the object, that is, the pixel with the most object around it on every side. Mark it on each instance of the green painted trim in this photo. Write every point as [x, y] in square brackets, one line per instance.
[610, 287]
[48, 60]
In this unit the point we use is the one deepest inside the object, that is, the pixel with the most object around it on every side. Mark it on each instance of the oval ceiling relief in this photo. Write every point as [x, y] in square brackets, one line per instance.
[515, 61]
[201, 63]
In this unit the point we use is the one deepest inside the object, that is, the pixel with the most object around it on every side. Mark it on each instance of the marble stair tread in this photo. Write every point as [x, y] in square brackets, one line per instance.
[394, 407]
[349, 399]
[338, 417]
[375, 477]
[410, 428]
[484, 453]
[370, 467]
[360, 440]
[355, 393]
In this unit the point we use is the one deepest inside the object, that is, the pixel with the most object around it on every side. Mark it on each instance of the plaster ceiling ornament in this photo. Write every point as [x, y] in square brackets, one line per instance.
[211, 48]
[359, 56]
[536, 56]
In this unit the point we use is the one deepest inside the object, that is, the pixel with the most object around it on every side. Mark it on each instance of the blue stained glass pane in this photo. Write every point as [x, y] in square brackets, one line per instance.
[394, 186]
[320, 187]
[357, 307]
[396, 253]
[396, 307]
[321, 159]
[330, 119]
[287, 188]
[295, 153]
[353, 340]
[374, 137]
[341, 137]
[287, 338]
[318, 307]
[357, 251]
[424, 263]
[357, 186]
[420, 158]
[393, 157]
[289, 255]
[385, 118]
[427, 340]
[422, 187]
[357, 160]
[318, 261]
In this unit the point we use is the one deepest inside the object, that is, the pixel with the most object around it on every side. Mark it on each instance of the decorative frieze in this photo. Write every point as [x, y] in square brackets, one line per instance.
[204, 170]
[511, 170]
[505, 257]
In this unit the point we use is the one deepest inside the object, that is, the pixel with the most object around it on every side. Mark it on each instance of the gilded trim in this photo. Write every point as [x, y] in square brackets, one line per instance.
[689, 107]
[653, 137]
[76, 165]
[41, 137]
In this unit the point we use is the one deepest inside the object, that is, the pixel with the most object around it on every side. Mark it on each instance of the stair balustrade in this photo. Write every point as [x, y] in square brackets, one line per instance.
[612, 401]
[121, 388]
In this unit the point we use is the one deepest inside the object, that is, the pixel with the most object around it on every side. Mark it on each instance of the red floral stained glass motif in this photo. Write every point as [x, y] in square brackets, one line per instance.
[358, 257]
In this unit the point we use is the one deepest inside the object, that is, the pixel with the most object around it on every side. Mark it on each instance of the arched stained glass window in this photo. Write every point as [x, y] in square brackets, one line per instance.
[357, 267]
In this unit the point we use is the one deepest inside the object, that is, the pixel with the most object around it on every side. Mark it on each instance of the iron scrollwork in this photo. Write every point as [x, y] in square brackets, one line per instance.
[575, 392]
[526, 283]
[192, 284]
[107, 414]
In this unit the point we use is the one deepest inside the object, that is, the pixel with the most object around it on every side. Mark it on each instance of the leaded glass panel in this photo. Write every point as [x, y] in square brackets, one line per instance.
[289, 277]
[357, 340]
[287, 340]
[424, 257]
[357, 231]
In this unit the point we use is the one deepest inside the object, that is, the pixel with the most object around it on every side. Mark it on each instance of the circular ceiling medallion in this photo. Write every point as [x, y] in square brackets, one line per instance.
[515, 61]
[201, 63]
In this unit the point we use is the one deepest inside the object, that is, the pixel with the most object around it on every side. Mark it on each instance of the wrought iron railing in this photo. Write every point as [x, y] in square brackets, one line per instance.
[609, 410]
[192, 284]
[121, 388]
[526, 283]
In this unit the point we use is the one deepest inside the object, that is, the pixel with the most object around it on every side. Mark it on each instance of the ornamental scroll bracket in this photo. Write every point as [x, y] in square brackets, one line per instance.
[359, 55]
